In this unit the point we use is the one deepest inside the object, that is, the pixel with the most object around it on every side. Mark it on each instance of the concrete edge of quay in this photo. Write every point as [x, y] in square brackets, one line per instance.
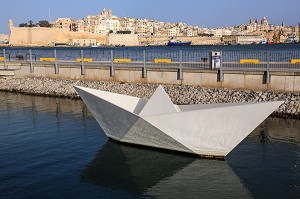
[179, 94]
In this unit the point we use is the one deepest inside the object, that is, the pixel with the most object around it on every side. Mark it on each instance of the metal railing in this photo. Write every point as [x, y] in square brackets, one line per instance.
[161, 58]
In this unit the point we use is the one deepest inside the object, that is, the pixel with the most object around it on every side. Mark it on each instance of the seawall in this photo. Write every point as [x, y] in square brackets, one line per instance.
[179, 94]
[243, 80]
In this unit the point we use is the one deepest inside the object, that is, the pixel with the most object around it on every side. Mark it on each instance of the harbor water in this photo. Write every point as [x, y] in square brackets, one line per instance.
[54, 148]
[277, 52]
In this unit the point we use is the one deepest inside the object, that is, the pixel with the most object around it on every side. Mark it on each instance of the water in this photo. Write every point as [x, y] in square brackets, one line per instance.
[278, 52]
[54, 148]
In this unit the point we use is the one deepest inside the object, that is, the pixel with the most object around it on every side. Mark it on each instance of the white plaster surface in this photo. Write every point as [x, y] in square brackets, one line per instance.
[209, 130]
[159, 103]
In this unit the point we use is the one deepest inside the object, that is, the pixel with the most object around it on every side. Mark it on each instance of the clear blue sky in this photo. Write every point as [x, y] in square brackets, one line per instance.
[209, 13]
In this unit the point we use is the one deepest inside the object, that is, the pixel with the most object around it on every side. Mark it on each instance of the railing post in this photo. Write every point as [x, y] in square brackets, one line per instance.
[267, 76]
[55, 63]
[220, 76]
[112, 70]
[179, 75]
[82, 64]
[31, 65]
[144, 72]
[4, 59]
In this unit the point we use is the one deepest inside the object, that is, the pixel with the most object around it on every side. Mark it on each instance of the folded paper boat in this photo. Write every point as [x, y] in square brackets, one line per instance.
[208, 130]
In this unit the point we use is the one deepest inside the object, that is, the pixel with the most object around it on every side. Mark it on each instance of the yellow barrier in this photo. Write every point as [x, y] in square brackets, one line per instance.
[162, 61]
[295, 61]
[249, 61]
[51, 59]
[125, 60]
[84, 59]
[1, 58]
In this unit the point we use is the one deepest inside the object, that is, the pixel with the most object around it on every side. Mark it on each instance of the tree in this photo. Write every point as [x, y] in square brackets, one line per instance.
[206, 35]
[30, 24]
[123, 32]
[23, 25]
[43, 23]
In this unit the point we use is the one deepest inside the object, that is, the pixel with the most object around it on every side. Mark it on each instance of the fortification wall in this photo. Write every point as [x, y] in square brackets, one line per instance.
[37, 36]
[155, 40]
[123, 39]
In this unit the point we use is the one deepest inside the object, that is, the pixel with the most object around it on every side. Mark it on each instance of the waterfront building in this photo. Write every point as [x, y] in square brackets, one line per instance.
[174, 31]
[106, 23]
[127, 24]
[242, 39]
[106, 14]
[63, 23]
[77, 25]
[101, 28]
[83, 42]
[253, 25]
[89, 23]
[109, 26]
[249, 39]
[264, 24]
[190, 33]
[142, 27]
[101, 24]
[4, 39]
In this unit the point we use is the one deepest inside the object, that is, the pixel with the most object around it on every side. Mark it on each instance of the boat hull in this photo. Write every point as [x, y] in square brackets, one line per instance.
[206, 130]
[179, 43]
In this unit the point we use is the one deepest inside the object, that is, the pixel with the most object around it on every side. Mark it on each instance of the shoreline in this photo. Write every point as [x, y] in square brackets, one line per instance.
[178, 94]
[107, 46]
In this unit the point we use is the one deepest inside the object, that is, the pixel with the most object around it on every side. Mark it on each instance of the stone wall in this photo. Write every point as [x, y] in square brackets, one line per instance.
[123, 39]
[154, 40]
[285, 82]
[179, 94]
[37, 36]
[40, 36]
[44, 36]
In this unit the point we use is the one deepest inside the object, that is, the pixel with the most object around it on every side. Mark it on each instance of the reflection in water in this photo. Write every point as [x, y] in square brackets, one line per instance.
[268, 160]
[46, 133]
[37, 104]
[159, 174]
[277, 129]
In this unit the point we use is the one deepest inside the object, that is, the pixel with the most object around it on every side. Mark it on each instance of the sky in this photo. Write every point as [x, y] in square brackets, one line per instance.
[209, 13]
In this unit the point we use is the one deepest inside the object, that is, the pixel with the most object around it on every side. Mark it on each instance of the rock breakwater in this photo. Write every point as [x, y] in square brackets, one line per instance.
[178, 94]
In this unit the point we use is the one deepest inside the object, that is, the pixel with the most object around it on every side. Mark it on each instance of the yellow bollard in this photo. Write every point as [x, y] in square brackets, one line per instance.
[50, 59]
[249, 61]
[84, 59]
[295, 61]
[156, 61]
[122, 60]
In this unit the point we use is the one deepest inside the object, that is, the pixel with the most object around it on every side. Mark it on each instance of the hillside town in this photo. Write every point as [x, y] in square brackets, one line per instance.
[108, 29]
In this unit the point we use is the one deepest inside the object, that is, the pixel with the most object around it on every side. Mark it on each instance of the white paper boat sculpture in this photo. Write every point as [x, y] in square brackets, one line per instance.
[209, 130]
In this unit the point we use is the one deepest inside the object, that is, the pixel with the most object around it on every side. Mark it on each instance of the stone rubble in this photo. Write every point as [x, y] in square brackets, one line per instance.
[178, 94]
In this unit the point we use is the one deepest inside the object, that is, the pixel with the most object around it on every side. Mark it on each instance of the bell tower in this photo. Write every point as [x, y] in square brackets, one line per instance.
[10, 24]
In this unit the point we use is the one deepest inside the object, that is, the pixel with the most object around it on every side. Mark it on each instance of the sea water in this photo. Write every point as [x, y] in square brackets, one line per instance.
[54, 148]
[278, 52]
